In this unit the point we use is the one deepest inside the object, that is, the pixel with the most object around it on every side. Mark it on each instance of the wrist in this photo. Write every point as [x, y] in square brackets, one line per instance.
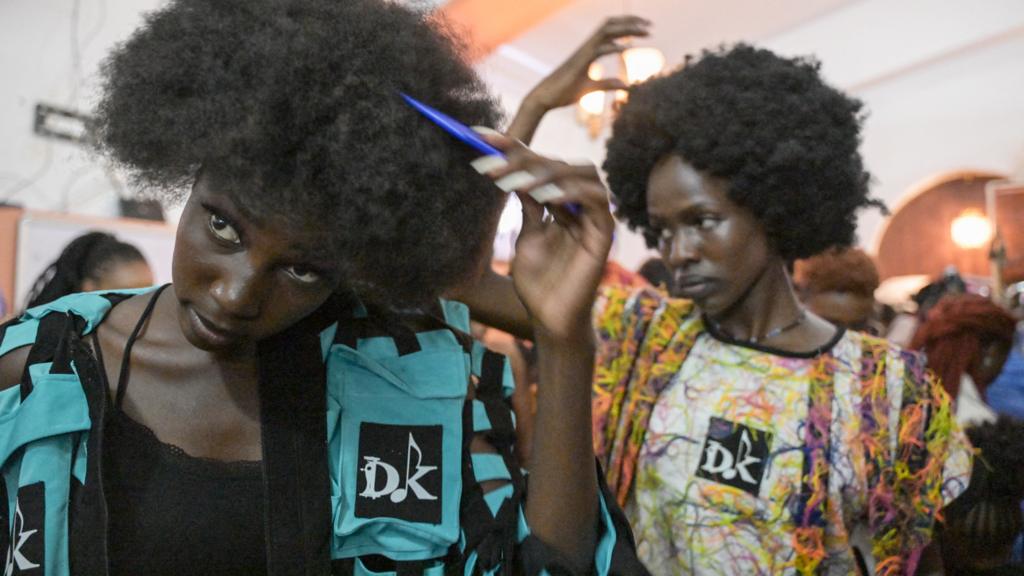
[578, 339]
[535, 105]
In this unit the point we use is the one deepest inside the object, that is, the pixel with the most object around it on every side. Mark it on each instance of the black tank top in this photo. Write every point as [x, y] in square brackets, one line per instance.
[171, 513]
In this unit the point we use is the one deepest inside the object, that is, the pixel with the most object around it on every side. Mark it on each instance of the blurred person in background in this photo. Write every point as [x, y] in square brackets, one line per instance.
[980, 526]
[839, 285]
[966, 338]
[655, 272]
[1006, 394]
[93, 261]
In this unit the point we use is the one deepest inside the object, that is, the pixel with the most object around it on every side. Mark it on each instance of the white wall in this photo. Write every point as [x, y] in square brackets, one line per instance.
[51, 50]
[943, 81]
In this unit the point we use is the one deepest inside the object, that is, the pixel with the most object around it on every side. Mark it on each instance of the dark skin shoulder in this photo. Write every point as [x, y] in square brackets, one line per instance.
[12, 365]
[209, 409]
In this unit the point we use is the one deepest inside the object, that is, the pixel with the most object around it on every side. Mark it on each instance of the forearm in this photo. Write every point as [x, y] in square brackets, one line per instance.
[527, 120]
[562, 506]
[493, 301]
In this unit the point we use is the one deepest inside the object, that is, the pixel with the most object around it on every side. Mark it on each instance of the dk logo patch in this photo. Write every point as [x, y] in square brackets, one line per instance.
[399, 472]
[735, 455]
[27, 546]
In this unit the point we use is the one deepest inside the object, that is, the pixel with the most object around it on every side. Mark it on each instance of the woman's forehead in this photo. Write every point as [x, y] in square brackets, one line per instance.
[299, 233]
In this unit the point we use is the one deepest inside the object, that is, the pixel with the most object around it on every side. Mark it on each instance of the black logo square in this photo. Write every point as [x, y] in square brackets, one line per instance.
[27, 545]
[734, 454]
[399, 472]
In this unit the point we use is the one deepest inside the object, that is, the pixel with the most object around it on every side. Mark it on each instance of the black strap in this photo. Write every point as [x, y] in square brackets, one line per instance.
[87, 545]
[49, 337]
[293, 397]
[122, 379]
[380, 322]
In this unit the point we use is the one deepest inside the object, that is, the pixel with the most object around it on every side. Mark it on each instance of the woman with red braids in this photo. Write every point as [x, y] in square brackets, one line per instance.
[967, 339]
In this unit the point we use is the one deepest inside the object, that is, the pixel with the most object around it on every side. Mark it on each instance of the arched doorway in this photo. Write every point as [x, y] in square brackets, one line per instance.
[916, 238]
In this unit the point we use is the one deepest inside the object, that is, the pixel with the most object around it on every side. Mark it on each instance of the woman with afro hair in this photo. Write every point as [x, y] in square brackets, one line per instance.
[743, 433]
[299, 400]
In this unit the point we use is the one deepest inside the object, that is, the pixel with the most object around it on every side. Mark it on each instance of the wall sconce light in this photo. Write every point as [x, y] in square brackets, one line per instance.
[635, 65]
[971, 229]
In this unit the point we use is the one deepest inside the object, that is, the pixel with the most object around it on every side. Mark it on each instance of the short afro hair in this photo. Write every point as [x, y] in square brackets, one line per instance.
[838, 270]
[784, 141]
[294, 107]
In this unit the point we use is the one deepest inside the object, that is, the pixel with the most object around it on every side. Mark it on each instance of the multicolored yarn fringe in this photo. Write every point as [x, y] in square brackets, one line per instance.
[644, 339]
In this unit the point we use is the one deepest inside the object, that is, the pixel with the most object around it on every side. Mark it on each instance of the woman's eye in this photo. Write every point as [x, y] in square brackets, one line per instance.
[303, 274]
[223, 230]
[707, 223]
[665, 234]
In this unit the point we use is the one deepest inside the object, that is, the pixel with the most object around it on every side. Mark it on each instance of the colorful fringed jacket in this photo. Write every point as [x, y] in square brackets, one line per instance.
[732, 458]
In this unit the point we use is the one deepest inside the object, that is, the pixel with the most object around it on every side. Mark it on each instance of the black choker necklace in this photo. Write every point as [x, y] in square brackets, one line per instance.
[769, 335]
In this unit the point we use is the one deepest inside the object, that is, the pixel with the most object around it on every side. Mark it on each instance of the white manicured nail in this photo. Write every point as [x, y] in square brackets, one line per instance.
[546, 193]
[486, 130]
[485, 164]
[515, 181]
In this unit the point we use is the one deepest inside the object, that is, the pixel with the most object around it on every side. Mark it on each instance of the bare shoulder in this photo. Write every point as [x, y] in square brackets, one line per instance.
[12, 365]
[114, 328]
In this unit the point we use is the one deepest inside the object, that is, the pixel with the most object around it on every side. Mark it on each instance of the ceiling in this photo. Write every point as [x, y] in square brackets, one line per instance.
[680, 27]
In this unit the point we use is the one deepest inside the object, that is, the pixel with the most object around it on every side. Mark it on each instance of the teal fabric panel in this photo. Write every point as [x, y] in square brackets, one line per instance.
[481, 422]
[496, 497]
[456, 314]
[375, 386]
[57, 405]
[19, 335]
[488, 467]
[37, 437]
[606, 544]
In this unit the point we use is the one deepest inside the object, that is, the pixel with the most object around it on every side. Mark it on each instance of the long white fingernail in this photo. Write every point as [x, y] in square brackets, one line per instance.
[486, 130]
[515, 181]
[485, 164]
[546, 193]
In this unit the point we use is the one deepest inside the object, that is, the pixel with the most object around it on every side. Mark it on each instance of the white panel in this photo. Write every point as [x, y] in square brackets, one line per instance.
[42, 237]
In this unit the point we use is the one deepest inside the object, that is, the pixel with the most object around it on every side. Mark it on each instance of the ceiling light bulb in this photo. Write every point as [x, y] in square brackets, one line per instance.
[642, 63]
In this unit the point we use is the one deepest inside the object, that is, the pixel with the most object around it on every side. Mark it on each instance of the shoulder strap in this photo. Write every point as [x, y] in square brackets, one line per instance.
[293, 394]
[52, 345]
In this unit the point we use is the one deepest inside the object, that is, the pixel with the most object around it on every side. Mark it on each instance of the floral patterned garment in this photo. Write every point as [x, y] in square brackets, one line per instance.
[738, 460]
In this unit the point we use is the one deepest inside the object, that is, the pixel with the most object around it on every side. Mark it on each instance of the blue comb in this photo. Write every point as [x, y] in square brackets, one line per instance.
[464, 133]
[452, 126]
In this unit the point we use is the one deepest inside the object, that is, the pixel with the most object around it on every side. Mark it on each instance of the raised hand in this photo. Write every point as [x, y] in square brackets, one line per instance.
[570, 80]
[560, 255]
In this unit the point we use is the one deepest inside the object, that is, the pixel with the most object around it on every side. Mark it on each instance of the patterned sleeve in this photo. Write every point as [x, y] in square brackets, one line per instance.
[919, 459]
[495, 533]
[621, 318]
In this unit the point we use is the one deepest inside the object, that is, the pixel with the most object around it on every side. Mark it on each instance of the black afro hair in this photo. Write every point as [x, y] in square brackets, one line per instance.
[784, 141]
[294, 106]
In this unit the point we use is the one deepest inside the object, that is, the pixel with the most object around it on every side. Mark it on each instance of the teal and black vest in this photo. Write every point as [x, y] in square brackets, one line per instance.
[373, 460]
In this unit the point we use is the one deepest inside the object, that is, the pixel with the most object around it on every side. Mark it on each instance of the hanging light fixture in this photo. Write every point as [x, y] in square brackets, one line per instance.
[635, 65]
[640, 64]
[591, 108]
[971, 229]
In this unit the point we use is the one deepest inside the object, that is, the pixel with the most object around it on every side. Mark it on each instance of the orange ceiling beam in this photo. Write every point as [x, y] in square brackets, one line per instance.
[491, 23]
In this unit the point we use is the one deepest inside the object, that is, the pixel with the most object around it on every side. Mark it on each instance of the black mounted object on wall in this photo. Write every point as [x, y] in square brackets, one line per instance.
[62, 124]
[142, 209]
